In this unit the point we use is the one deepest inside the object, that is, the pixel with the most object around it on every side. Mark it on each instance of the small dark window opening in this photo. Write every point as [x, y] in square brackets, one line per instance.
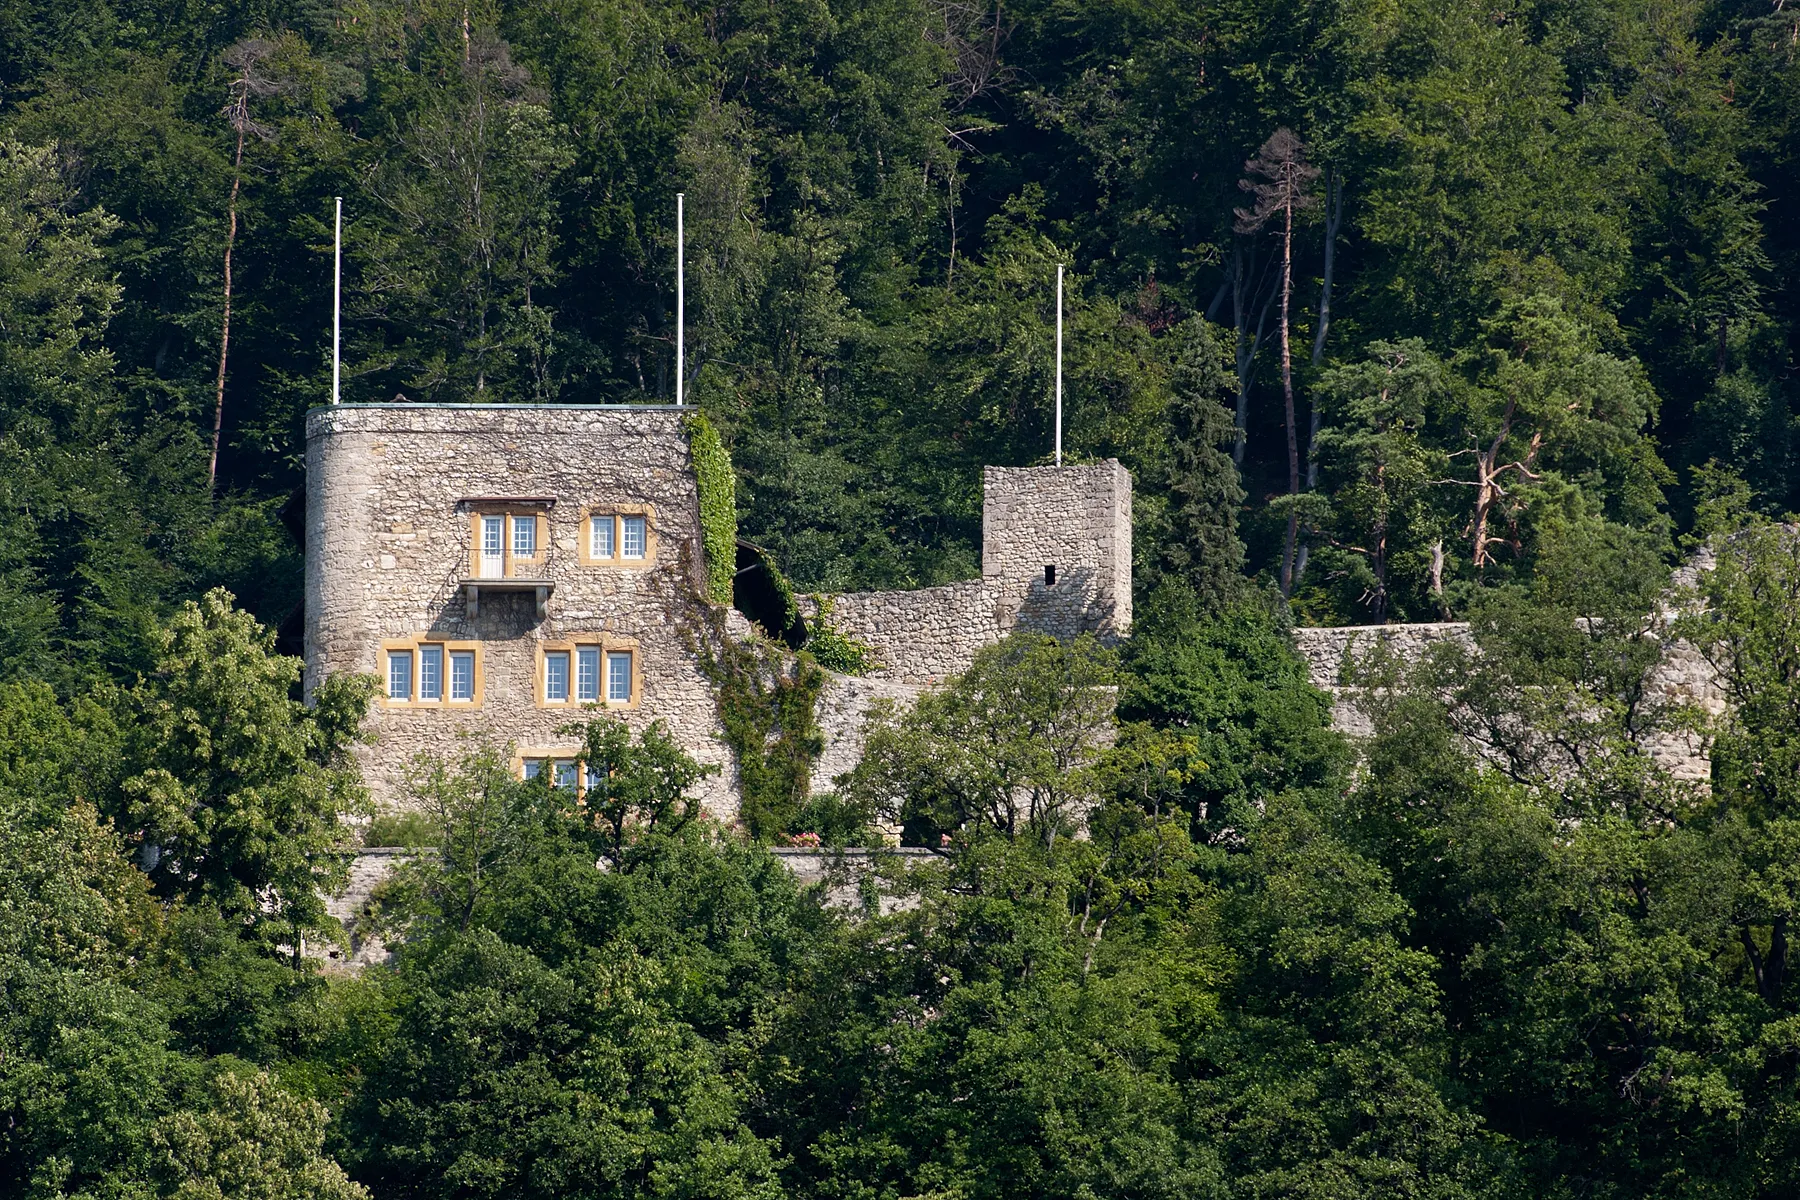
[1049, 574]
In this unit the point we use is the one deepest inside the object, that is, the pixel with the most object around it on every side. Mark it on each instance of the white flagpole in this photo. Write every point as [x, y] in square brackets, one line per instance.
[1059, 340]
[680, 295]
[337, 299]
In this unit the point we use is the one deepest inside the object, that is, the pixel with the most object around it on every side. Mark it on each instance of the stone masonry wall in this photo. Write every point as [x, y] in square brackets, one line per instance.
[1076, 519]
[1683, 676]
[389, 531]
[843, 712]
[922, 636]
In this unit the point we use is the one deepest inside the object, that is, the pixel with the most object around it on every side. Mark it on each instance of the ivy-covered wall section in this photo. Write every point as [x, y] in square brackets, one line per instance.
[718, 506]
[767, 705]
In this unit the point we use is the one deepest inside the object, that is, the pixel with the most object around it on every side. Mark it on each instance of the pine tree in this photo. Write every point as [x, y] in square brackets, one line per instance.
[1281, 182]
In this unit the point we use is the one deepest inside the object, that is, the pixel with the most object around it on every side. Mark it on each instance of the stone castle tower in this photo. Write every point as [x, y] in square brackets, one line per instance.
[505, 570]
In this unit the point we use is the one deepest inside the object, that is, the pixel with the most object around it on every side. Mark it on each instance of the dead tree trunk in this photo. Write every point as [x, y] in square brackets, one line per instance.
[245, 57]
[1287, 394]
[239, 112]
[1283, 185]
[1334, 215]
[1490, 484]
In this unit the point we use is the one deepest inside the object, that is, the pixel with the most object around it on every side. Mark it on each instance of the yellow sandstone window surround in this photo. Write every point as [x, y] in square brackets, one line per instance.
[618, 536]
[562, 765]
[508, 541]
[597, 669]
[426, 672]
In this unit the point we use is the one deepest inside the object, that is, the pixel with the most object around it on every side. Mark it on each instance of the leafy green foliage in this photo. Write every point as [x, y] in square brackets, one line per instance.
[1505, 955]
[718, 507]
[767, 701]
[834, 649]
[1010, 744]
[234, 787]
[1232, 685]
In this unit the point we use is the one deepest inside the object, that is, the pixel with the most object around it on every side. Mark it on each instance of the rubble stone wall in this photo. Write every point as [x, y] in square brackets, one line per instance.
[391, 497]
[1682, 677]
[922, 636]
[1075, 519]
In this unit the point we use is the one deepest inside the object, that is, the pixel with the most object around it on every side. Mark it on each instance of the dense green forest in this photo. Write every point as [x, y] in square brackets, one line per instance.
[1397, 311]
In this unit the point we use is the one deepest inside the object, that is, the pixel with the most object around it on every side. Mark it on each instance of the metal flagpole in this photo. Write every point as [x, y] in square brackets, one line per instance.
[1059, 323]
[337, 299]
[680, 295]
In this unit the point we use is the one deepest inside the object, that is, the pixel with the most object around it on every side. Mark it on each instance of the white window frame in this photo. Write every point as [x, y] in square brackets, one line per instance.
[613, 659]
[590, 661]
[589, 668]
[394, 659]
[455, 659]
[638, 548]
[597, 524]
[619, 537]
[525, 524]
[551, 683]
[431, 670]
[493, 546]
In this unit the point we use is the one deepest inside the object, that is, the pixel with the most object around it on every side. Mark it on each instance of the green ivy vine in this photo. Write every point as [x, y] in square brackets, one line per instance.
[718, 506]
[768, 702]
[834, 649]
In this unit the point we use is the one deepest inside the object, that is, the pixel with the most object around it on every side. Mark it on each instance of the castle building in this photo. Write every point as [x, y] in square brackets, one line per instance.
[505, 571]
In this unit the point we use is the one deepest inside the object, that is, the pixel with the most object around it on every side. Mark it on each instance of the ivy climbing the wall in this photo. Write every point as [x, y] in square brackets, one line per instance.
[718, 506]
[767, 700]
[834, 649]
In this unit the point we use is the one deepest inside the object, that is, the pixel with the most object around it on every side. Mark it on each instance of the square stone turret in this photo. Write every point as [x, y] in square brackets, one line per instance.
[1056, 548]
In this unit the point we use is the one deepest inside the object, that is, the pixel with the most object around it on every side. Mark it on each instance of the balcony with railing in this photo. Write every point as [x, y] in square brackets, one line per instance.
[509, 549]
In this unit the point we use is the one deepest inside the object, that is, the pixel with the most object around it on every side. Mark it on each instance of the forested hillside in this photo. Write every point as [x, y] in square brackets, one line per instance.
[1540, 266]
[1397, 310]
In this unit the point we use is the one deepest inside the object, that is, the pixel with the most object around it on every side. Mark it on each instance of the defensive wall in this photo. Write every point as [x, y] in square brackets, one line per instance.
[507, 570]
[1682, 676]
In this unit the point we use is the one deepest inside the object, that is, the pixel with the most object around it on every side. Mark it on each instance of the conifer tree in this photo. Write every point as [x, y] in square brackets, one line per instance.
[1280, 180]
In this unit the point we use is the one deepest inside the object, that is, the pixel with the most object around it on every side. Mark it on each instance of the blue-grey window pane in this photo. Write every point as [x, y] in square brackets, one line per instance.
[556, 675]
[462, 675]
[431, 672]
[534, 767]
[564, 775]
[400, 670]
[587, 674]
[618, 678]
[633, 540]
[600, 538]
[524, 537]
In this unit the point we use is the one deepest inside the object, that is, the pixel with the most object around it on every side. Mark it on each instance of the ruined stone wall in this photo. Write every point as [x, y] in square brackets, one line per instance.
[1076, 519]
[1682, 677]
[389, 538]
[843, 712]
[922, 636]
[369, 868]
